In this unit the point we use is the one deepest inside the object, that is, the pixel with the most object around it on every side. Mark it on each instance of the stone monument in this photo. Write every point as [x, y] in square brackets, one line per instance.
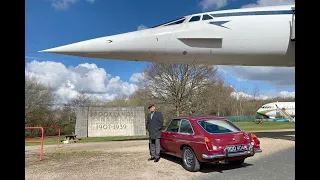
[95, 121]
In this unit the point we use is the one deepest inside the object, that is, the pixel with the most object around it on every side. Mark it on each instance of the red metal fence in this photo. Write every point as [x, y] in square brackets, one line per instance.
[41, 141]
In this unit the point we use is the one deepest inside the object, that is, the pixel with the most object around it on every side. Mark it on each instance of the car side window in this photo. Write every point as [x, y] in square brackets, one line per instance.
[174, 126]
[185, 127]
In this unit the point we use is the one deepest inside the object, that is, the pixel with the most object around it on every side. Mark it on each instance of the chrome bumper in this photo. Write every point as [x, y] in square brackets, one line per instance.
[244, 153]
[258, 150]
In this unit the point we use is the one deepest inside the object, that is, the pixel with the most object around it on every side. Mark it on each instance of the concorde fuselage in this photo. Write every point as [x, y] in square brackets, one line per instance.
[271, 109]
[262, 36]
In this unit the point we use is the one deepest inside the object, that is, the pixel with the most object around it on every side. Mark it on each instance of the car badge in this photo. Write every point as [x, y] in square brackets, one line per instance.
[233, 139]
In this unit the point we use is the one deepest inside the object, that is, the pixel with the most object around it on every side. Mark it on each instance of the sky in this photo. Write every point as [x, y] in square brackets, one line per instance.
[52, 23]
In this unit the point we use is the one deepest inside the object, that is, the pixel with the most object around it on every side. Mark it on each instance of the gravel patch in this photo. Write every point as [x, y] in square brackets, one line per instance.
[116, 160]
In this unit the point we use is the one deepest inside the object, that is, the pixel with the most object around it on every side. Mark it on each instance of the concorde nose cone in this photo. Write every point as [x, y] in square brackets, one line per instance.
[128, 46]
[88, 46]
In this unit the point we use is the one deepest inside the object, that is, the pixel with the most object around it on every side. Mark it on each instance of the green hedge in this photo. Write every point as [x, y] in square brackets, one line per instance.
[241, 118]
[253, 118]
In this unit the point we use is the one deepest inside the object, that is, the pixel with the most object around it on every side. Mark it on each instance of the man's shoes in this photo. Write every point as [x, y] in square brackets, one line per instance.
[152, 158]
[156, 159]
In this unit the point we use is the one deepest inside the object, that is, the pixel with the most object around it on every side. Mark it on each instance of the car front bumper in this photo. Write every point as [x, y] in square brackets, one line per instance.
[226, 155]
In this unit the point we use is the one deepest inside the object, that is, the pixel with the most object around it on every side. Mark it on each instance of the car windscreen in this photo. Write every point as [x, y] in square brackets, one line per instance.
[218, 126]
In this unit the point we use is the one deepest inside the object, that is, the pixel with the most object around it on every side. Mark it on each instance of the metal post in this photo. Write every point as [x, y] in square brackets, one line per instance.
[58, 136]
[88, 122]
[42, 139]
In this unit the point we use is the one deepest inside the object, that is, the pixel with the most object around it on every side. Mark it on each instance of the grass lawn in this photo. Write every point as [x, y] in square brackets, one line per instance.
[251, 126]
[49, 141]
[246, 126]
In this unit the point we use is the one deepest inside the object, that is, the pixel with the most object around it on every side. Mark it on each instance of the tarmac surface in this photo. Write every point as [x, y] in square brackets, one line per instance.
[277, 166]
[286, 135]
[280, 165]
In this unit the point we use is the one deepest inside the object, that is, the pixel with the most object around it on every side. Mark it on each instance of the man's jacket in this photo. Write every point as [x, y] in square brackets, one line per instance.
[154, 125]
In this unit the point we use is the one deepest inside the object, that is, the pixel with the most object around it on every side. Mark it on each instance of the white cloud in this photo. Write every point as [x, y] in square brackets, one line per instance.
[261, 3]
[65, 4]
[264, 95]
[141, 27]
[212, 4]
[206, 5]
[275, 93]
[278, 76]
[136, 77]
[62, 4]
[240, 95]
[287, 94]
[87, 78]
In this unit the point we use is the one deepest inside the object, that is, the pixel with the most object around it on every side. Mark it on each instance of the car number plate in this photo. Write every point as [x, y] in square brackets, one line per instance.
[236, 148]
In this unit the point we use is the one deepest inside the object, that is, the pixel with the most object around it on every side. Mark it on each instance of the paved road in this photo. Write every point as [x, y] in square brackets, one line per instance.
[276, 166]
[287, 135]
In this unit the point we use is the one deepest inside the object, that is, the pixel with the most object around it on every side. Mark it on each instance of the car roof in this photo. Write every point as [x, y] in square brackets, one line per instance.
[200, 117]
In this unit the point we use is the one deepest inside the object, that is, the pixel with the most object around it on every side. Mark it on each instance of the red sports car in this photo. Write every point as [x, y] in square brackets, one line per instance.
[198, 139]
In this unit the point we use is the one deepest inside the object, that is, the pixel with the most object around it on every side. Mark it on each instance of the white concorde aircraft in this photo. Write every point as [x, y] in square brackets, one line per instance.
[260, 36]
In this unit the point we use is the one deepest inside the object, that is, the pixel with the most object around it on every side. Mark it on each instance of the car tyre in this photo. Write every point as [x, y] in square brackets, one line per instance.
[189, 160]
[237, 162]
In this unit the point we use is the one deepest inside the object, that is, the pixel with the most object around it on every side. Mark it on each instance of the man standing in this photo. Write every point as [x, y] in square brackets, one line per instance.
[154, 125]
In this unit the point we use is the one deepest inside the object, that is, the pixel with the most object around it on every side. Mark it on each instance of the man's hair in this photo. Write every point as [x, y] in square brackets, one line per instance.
[150, 106]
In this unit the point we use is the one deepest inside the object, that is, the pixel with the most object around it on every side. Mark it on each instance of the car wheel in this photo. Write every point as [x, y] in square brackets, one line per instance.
[237, 162]
[189, 160]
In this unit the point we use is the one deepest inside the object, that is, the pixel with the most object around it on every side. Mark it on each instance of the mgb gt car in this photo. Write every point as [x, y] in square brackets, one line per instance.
[197, 139]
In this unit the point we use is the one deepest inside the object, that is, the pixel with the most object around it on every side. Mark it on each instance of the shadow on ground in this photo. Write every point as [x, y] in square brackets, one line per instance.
[207, 167]
[285, 135]
[136, 139]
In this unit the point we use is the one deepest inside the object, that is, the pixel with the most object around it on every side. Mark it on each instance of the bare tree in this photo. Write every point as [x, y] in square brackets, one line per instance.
[242, 97]
[220, 98]
[255, 93]
[39, 99]
[175, 84]
[37, 96]
[83, 99]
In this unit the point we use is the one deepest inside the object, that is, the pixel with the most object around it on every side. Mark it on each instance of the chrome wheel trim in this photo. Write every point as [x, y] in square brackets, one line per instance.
[188, 157]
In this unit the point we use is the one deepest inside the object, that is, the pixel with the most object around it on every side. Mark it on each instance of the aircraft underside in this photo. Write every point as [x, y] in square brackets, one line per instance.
[185, 57]
[241, 60]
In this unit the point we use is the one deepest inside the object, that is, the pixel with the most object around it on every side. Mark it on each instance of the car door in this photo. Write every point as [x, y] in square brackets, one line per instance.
[184, 137]
[169, 136]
